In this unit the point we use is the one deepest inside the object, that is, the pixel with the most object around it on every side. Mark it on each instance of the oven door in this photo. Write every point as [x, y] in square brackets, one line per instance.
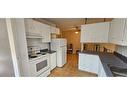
[39, 66]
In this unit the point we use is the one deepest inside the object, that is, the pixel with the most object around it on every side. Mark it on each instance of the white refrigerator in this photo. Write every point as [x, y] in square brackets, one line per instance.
[60, 46]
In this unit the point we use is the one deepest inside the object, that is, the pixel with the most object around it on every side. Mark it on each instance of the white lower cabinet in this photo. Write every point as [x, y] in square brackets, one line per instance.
[101, 71]
[102, 74]
[91, 63]
[88, 63]
[52, 60]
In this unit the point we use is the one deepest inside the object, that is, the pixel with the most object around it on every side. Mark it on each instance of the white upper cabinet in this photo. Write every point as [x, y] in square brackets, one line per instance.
[118, 32]
[108, 32]
[95, 33]
[35, 29]
[89, 63]
[125, 35]
[32, 28]
[46, 33]
[55, 30]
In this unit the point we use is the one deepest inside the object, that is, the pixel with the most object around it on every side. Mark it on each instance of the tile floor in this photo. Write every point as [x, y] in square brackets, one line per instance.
[70, 69]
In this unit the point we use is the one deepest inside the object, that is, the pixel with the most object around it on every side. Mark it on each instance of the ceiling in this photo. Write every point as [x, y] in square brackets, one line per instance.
[66, 24]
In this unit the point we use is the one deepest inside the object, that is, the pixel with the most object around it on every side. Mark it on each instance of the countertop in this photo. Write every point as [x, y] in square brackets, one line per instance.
[50, 52]
[108, 58]
[47, 51]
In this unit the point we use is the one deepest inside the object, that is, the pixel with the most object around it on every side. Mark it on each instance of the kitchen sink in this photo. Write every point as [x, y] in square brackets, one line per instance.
[118, 71]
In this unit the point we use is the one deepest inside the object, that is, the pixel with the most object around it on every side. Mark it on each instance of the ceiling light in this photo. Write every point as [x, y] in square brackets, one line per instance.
[76, 32]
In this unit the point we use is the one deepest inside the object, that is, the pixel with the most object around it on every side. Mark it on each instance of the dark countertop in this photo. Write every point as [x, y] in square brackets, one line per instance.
[50, 52]
[47, 51]
[108, 58]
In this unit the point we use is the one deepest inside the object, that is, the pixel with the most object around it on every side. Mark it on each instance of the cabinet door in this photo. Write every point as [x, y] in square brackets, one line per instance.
[83, 63]
[111, 33]
[101, 32]
[85, 35]
[33, 28]
[29, 27]
[125, 35]
[99, 68]
[103, 74]
[94, 64]
[95, 33]
[57, 31]
[53, 29]
[46, 33]
[117, 31]
[101, 71]
[88, 63]
[52, 61]
[37, 27]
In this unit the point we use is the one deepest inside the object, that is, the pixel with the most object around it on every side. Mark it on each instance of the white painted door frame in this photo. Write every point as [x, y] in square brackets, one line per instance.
[12, 47]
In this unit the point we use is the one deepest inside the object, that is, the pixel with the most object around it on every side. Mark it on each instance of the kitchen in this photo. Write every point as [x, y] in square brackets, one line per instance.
[108, 63]
[29, 47]
[63, 47]
[39, 47]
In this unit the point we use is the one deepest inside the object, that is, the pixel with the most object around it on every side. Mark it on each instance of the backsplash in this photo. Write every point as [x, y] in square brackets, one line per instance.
[37, 44]
[122, 50]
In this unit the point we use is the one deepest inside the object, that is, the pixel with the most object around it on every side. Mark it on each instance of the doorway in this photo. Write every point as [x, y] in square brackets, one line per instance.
[73, 40]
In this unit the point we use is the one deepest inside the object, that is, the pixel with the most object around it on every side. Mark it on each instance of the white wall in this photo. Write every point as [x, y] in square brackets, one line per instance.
[122, 50]
[6, 63]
